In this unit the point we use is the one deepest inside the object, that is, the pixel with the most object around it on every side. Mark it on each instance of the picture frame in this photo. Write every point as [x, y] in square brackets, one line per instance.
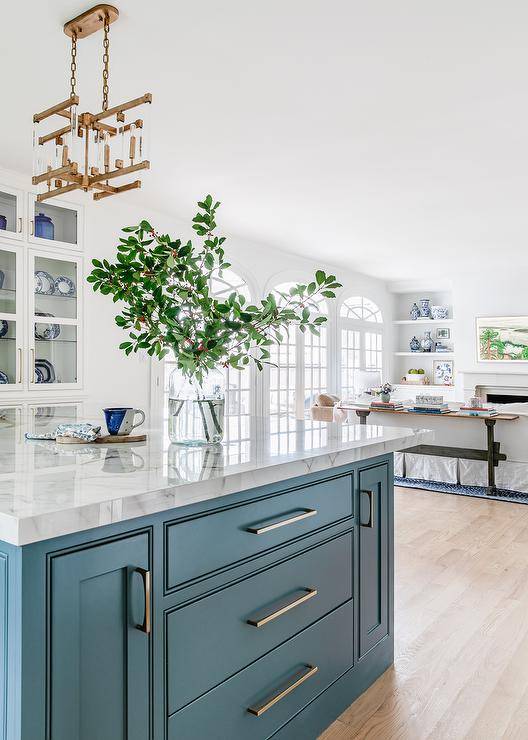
[443, 333]
[502, 339]
[443, 372]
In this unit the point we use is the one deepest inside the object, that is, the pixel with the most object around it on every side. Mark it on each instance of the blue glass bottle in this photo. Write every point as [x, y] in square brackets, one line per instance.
[3, 223]
[44, 227]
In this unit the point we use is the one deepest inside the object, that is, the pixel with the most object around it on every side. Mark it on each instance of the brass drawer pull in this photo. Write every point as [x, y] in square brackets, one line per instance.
[283, 522]
[370, 523]
[147, 621]
[307, 594]
[299, 678]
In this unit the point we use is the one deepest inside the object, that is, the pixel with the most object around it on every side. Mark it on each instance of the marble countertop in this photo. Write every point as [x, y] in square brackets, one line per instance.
[49, 489]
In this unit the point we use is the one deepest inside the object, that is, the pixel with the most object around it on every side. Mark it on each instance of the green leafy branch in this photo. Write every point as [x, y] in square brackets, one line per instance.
[165, 286]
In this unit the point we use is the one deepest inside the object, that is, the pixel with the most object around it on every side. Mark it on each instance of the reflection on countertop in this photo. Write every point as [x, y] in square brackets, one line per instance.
[49, 489]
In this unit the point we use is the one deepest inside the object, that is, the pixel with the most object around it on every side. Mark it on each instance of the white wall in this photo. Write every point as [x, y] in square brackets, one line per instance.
[111, 378]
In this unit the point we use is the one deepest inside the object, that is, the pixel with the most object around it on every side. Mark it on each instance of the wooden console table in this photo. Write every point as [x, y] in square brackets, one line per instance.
[492, 454]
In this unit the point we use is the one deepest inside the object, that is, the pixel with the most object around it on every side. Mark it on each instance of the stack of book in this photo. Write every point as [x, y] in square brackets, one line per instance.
[377, 405]
[477, 411]
[430, 405]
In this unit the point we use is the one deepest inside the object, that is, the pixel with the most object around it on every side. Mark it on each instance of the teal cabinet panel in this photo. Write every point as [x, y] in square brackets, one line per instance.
[224, 712]
[202, 545]
[374, 554]
[99, 659]
[212, 638]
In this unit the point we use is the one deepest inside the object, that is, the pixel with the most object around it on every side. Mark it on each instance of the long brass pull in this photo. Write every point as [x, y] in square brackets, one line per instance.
[300, 677]
[283, 522]
[20, 365]
[307, 594]
[370, 523]
[147, 621]
[31, 227]
[20, 224]
[32, 366]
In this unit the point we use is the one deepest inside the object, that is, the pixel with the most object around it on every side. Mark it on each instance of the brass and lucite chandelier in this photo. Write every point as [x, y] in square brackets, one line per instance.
[91, 150]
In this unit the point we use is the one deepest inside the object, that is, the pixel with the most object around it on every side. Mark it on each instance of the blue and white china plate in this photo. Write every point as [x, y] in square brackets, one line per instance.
[3, 378]
[47, 369]
[46, 331]
[39, 375]
[47, 283]
[64, 286]
[4, 328]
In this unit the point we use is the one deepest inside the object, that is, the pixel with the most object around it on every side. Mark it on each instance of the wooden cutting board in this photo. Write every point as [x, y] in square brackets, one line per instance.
[109, 439]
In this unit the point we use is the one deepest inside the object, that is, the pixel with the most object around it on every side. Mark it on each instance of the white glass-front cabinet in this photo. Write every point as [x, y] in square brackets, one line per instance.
[11, 317]
[41, 286]
[55, 224]
[11, 213]
[54, 307]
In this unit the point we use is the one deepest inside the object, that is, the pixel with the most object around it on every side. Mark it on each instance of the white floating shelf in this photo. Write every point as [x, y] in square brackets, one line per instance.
[422, 386]
[424, 354]
[422, 322]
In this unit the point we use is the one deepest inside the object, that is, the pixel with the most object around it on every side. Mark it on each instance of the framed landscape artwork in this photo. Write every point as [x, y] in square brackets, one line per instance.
[502, 339]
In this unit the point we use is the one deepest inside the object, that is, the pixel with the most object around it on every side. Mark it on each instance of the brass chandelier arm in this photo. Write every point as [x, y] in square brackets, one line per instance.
[63, 172]
[147, 98]
[58, 191]
[56, 109]
[106, 62]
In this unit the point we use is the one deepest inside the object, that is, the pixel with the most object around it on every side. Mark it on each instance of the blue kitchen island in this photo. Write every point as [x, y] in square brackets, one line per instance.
[156, 592]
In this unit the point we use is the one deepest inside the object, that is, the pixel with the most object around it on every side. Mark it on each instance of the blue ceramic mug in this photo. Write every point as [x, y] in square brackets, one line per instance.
[121, 420]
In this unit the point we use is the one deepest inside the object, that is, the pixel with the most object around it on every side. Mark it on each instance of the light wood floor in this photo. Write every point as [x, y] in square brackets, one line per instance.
[461, 656]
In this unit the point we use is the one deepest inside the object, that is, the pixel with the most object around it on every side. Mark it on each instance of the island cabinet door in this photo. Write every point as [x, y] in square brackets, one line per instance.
[374, 554]
[100, 642]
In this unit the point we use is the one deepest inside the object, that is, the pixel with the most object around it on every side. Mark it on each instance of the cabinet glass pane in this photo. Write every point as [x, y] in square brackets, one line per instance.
[7, 282]
[8, 352]
[55, 223]
[55, 358]
[55, 288]
[8, 212]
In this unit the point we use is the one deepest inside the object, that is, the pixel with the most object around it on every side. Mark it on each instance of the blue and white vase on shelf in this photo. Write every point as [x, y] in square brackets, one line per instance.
[3, 223]
[415, 312]
[414, 344]
[425, 311]
[427, 342]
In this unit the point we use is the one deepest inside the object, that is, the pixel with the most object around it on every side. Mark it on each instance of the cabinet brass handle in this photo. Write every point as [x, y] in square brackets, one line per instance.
[20, 224]
[31, 229]
[283, 522]
[307, 594]
[20, 367]
[370, 523]
[146, 625]
[299, 678]
[32, 365]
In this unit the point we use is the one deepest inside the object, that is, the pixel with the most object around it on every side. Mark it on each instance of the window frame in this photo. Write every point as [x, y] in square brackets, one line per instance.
[362, 326]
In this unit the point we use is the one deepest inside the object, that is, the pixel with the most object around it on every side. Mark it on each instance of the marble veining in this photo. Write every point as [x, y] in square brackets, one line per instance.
[49, 489]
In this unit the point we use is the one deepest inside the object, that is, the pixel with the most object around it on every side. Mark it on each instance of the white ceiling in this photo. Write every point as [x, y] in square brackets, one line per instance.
[386, 136]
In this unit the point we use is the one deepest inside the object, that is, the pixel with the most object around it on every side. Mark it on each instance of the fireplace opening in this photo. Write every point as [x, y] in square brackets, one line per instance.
[505, 398]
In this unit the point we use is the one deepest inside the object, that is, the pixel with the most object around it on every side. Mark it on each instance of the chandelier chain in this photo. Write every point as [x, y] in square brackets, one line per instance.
[73, 64]
[106, 61]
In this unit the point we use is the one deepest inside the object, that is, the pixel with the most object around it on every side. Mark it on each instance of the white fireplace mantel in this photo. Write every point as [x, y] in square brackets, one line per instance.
[507, 382]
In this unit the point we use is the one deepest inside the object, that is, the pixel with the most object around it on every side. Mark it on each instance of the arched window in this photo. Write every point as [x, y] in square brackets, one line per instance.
[361, 335]
[237, 382]
[299, 366]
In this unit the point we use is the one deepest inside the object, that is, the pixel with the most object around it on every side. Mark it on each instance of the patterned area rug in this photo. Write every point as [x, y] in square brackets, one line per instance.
[500, 494]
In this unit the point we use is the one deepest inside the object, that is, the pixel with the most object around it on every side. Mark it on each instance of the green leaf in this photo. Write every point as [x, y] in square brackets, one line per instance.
[320, 277]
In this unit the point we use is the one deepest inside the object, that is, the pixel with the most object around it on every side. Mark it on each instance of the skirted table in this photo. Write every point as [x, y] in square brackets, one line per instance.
[491, 455]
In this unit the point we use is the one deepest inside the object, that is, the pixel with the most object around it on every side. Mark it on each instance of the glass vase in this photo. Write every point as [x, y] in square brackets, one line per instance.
[196, 410]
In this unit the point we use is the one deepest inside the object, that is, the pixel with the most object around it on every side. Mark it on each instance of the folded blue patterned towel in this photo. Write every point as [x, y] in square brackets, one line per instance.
[86, 431]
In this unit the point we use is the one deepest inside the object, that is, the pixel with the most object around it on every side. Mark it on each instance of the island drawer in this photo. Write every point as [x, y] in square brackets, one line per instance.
[259, 700]
[198, 546]
[216, 636]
